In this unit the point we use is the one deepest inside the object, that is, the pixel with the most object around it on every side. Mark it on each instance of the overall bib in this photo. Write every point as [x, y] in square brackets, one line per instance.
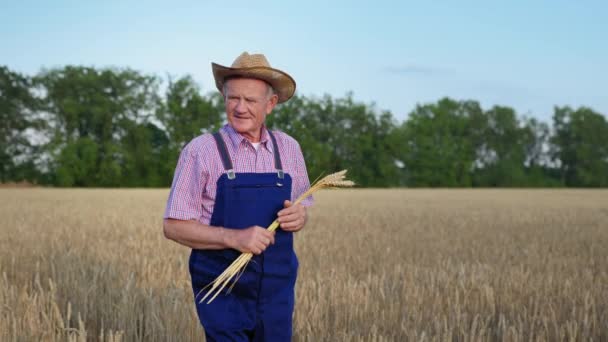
[260, 305]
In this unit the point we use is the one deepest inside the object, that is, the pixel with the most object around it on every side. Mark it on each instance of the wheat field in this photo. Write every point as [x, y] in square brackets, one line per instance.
[375, 265]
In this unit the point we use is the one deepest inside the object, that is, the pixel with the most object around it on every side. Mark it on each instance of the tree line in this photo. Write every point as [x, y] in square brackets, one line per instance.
[117, 127]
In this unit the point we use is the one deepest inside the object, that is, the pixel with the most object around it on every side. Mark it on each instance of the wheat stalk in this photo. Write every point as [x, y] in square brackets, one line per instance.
[334, 180]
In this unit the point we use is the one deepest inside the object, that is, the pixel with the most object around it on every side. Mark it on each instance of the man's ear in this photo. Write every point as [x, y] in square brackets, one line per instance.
[274, 99]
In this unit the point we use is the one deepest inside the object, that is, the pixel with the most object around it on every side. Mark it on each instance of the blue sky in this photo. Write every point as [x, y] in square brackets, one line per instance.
[530, 55]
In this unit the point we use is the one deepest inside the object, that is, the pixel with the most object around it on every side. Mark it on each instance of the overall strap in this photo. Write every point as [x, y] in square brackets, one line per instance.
[277, 156]
[223, 150]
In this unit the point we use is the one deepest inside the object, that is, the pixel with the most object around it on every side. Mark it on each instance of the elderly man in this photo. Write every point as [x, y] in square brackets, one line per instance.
[230, 185]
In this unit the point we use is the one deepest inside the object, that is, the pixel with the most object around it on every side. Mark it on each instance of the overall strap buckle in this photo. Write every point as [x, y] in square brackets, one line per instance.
[223, 150]
[277, 156]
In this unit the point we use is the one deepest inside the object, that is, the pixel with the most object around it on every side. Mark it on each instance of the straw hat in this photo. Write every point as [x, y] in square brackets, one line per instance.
[255, 66]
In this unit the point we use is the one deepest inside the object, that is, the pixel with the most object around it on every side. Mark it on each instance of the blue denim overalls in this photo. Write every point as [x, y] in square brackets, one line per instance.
[260, 305]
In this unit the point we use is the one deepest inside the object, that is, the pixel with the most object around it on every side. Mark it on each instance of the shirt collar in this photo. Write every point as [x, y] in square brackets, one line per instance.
[237, 139]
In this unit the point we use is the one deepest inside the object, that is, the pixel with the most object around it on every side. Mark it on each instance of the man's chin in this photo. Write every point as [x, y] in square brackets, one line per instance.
[240, 123]
[241, 128]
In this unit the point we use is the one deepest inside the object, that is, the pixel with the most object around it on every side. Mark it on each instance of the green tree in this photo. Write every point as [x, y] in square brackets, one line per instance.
[146, 151]
[439, 143]
[187, 114]
[580, 146]
[89, 107]
[110, 127]
[539, 169]
[502, 156]
[17, 114]
[77, 161]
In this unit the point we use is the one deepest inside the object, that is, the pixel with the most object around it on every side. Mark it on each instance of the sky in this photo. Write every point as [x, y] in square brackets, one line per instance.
[529, 55]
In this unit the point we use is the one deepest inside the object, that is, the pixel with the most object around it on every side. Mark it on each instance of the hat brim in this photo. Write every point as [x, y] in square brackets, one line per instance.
[283, 84]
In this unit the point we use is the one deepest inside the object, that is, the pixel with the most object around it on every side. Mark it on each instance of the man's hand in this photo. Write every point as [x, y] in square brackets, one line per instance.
[250, 240]
[293, 217]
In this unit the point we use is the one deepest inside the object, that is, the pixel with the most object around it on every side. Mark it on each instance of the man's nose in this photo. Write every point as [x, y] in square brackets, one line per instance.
[240, 106]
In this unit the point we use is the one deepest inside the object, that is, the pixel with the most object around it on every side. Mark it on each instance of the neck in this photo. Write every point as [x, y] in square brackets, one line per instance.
[253, 138]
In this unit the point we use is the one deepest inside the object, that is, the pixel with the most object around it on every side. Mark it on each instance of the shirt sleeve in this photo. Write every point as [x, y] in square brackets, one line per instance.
[301, 184]
[186, 196]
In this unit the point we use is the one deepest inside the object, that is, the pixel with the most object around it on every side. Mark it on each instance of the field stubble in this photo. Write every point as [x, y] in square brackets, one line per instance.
[375, 265]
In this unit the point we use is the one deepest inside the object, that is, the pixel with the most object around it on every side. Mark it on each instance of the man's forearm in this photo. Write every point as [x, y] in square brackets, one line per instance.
[196, 235]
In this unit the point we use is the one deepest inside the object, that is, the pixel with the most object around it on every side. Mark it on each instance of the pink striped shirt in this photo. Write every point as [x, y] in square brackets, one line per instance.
[199, 166]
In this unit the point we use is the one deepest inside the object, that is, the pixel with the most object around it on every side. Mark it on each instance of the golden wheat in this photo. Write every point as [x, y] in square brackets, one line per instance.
[375, 265]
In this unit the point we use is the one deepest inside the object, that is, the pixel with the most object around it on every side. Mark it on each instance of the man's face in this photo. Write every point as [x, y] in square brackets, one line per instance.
[247, 104]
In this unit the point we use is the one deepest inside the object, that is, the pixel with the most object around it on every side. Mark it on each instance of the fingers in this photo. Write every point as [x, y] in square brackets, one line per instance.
[259, 248]
[293, 226]
[293, 217]
[289, 208]
[290, 218]
[265, 241]
[261, 239]
[271, 238]
[267, 237]
[293, 223]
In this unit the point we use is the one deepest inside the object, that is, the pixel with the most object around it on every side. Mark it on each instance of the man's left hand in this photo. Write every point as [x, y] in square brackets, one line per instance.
[293, 217]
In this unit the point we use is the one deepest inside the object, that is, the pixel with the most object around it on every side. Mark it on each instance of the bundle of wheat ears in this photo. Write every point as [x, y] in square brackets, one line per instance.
[335, 180]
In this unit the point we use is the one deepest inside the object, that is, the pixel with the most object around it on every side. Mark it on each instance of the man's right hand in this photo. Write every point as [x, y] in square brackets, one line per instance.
[250, 240]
